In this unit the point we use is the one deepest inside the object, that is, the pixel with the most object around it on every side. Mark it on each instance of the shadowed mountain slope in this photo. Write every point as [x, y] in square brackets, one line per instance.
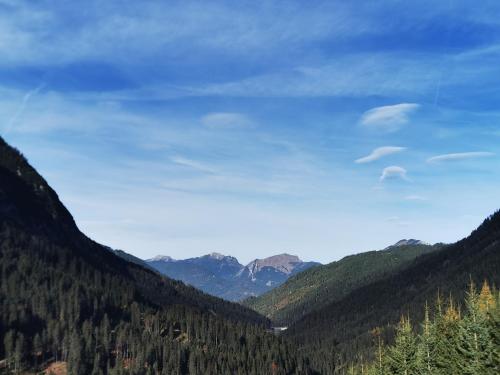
[319, 286]
[344, 326]
[64, 297]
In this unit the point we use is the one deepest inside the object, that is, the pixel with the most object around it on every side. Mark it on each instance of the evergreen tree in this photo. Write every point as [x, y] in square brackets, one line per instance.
[474, 345]
[451, 343]
[19, 354]
[9, 345]
[75, 356]
[427, 342]
[404, 358]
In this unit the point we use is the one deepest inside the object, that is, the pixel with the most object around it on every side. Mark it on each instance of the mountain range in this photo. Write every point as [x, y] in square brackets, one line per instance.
[70, 302]
[223, 276]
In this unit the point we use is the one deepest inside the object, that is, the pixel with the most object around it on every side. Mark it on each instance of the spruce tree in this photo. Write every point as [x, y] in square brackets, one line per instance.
[475, 346]
[427, 342]
[403, 358]
[445, 331]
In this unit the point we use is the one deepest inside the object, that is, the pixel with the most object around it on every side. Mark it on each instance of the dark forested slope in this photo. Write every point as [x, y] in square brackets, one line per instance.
[66, 298]
[342, 330]
[322, 285]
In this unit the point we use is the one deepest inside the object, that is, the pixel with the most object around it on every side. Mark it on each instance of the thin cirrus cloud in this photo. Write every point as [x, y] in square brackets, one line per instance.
[226, 120]
[379, 153]
[459, 156]
[415, 198]
[22, 107]
[192, 164]
[388, 118]
[393, 172]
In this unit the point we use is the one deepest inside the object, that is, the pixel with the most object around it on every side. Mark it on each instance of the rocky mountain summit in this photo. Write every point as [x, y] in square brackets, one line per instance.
[223, 276]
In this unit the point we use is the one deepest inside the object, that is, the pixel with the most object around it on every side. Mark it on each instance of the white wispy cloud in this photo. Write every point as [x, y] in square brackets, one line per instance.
[352, 75]
[415, 197]
[379, 153]
[226, 120]
[179, 160]
[388, 118]
[394, 171]
[147, 28]
[459, 156]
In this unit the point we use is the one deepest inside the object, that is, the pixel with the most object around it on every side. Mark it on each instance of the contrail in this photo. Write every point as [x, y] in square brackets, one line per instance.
[22, 107]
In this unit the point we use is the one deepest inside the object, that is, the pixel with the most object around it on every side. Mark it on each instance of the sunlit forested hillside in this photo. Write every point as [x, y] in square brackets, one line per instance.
[454, 340]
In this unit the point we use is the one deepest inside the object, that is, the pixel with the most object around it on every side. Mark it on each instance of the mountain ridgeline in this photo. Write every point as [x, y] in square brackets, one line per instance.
[342, 331]
[223, 276]
[320, 286]
[68, 300]
[70, 304]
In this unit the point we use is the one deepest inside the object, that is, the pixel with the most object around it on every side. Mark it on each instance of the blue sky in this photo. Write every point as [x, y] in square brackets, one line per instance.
[182, 127]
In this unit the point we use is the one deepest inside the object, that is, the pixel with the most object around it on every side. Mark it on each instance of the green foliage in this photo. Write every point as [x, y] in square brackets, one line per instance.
[404, 357]
[451, 343]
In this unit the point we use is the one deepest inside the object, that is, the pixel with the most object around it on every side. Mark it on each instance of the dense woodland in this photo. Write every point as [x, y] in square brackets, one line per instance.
[54, 306]
[341, 332]
[450, 342]
[65, 298]
[320, 286]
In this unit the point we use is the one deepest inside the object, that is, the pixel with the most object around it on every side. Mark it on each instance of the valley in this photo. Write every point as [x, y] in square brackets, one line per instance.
[71, 303]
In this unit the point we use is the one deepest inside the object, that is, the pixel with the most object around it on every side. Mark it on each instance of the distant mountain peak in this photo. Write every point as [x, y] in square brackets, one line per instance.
[408, 242]
[161, 258]
[217, 256]
[282, 262]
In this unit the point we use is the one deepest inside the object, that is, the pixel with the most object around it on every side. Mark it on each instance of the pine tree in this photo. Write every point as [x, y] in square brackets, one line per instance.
[37, 348]
[486, 299]
[403, 358]
[494, 329]
[445, 332]
[426, 345]
[378, 367]
[9, 344]
[75, 356]
[475, 346]
[19, 353]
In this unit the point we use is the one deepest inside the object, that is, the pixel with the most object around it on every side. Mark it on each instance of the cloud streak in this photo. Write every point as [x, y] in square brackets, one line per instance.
[415, 198]
[394, 171]
[459, 156]
[379, 153]
[388, 118]
[179, 160]
[226, 120]
[22, 107]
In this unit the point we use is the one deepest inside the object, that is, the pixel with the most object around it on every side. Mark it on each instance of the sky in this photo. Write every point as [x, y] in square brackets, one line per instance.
[321, 129]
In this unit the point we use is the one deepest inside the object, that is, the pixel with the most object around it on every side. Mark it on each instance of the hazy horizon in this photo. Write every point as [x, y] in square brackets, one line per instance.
[185, 128]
